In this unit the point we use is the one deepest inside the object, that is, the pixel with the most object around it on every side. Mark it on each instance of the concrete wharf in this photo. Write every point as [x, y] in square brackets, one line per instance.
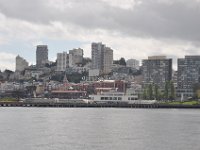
[93, 105]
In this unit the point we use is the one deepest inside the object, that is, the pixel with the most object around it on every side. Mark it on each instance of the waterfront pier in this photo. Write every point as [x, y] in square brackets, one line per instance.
[93, 105]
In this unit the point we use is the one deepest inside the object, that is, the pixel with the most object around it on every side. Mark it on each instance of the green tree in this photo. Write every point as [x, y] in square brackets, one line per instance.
[144, 94]
[150, 92]
[156, 92]
[172, 91]
[169, 92]
[18, 94]
[166, 92]
[30, 90]
[86, 61]
[196, 88]
[122, 62]
[8, 73]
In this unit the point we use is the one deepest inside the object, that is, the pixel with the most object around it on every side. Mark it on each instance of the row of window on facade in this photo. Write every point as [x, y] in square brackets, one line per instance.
[116, 98]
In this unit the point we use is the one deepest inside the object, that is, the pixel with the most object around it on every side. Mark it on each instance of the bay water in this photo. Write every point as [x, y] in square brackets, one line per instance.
[99, 129]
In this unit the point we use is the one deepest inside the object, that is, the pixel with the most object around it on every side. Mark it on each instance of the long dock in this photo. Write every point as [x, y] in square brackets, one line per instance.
[92, 105]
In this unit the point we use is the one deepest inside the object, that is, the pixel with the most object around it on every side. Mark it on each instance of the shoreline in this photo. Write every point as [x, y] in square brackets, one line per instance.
[97, 105]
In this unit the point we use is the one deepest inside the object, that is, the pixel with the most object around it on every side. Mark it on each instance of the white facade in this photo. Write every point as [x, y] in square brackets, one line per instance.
[62, 61]
[21, 63]
[113, 96]
[133, 63]
[65, 60]
[93, 72]
[75, 57]
[118, 97]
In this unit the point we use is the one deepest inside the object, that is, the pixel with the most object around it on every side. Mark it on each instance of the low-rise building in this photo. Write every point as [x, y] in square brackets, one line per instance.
[68, 94]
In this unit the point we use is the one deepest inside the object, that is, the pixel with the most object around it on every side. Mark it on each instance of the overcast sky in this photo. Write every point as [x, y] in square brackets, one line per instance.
[133, 28]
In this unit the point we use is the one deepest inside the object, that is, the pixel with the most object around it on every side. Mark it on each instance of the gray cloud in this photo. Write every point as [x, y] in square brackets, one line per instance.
[151, 18]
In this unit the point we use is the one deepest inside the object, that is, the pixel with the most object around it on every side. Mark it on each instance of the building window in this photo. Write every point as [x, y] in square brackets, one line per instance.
[114, 98]
[102, 98]
[119, 98]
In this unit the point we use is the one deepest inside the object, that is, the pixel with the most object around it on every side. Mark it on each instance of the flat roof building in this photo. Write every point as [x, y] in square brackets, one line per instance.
[157, 70]
[133, 63]
[62, 61]
[21, 63]
[102, 58]
[41, 55]
[188, 75]
[75, 57]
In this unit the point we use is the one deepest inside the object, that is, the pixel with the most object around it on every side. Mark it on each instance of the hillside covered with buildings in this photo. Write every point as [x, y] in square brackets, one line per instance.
[73, 76]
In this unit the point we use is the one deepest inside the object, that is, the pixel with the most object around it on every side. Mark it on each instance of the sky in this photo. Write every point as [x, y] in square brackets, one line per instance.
[132, 28]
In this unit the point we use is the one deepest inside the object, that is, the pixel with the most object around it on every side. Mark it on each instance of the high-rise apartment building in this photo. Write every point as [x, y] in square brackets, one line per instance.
[72, 59]
[133, 63]
[107, 60]
[75, 57]
[21, 63]
[41, 55]
[97, 50]
[188, 75]
[157, 70]
[62, 61]
[102, 58]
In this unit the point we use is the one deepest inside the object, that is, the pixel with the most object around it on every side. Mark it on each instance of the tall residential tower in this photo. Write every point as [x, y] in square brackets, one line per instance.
[188, 75]
[41, 55]
[62, 61]
[75, 57]
[102, 58]
[21, 63]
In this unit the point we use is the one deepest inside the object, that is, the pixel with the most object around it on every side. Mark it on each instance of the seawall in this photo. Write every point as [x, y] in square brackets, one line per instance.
[93, 105]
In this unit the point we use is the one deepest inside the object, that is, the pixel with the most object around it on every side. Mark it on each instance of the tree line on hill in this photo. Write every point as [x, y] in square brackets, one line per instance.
[121, 62]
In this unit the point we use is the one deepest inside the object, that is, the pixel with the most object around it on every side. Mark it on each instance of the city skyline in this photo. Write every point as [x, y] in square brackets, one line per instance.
[169, 28]
[174, 60]
[99, 74]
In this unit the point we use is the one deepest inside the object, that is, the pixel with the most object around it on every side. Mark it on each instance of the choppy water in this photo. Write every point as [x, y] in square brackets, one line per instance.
[99, 129]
